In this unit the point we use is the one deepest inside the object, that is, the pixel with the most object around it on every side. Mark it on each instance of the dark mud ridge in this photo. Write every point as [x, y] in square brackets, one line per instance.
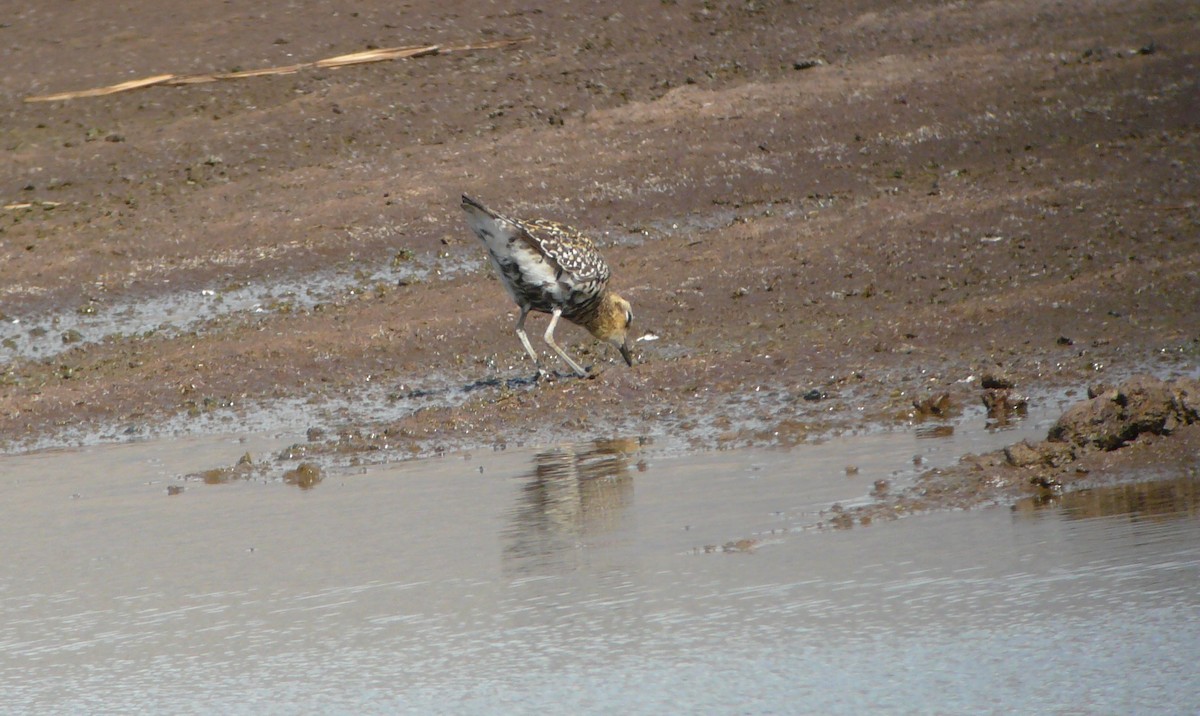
[1144, 426]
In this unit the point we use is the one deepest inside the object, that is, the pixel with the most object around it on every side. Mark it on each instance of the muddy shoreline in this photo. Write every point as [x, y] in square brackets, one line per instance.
[1142, 430]
[810, 247]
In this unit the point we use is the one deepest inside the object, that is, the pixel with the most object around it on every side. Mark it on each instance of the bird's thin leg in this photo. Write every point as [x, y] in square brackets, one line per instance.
[525, 339]
[579, 371]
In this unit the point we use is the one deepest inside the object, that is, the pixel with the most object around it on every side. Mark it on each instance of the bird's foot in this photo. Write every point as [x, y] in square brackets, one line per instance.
[550, 376]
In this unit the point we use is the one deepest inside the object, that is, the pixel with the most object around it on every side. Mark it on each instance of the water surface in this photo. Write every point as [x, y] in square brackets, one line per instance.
[591, 578]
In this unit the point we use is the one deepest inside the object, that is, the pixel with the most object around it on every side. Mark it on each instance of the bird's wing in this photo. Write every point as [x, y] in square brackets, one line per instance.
[574, 253]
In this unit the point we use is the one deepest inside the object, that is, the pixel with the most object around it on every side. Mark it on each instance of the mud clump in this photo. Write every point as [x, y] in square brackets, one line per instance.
[1026, 454]
[244, 469]
[993, 381]
[1001, 402]
[1111, 419]
[306, 476]
[937, 406]
[1097, 435]
[1116, 417]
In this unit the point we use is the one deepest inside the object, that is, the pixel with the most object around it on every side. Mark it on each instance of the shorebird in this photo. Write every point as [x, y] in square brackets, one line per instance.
[551, 268]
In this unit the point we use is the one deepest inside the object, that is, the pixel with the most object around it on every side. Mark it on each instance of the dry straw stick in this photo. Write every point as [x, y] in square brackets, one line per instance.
[99, 91]
[354, 58]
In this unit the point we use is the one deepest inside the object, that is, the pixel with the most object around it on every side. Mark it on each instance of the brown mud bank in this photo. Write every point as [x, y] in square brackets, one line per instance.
[1142, 429]
[954, 190]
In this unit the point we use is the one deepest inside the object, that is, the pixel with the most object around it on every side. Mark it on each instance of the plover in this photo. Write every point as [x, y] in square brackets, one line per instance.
[551, 268]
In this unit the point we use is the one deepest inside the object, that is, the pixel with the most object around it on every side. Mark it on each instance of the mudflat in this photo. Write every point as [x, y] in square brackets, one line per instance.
[825, 215]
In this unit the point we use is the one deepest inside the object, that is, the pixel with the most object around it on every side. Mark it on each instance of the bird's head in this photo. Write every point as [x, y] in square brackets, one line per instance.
[611, 324]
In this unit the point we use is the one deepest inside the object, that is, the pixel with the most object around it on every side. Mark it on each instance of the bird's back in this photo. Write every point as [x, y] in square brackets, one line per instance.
[543, 264]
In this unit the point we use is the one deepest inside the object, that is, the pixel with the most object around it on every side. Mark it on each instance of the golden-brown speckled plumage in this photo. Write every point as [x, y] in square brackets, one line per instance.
[552, 268]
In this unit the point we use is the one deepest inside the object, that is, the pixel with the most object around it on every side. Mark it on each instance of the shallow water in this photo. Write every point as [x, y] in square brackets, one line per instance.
[42, 336]
[592, 578]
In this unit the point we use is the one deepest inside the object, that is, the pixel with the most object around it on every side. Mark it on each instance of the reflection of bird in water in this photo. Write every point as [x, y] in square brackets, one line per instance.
[575, 491]
[553, 269]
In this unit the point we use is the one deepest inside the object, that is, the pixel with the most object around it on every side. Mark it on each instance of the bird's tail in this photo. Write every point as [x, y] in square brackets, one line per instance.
[490, 227]
[471, 205]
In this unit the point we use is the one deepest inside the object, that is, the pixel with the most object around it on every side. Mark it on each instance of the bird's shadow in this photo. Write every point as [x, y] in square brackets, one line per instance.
[510, 383]
[520, 382]
[523, 381]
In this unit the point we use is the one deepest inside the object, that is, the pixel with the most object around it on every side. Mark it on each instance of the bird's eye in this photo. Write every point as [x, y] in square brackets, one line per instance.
[628, 318]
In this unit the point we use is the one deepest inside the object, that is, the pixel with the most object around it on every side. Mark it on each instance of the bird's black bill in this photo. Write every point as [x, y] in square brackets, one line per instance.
[627, 354]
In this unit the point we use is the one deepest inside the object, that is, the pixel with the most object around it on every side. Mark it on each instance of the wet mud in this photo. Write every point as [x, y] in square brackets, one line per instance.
[829, 218]
[1142, 430]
